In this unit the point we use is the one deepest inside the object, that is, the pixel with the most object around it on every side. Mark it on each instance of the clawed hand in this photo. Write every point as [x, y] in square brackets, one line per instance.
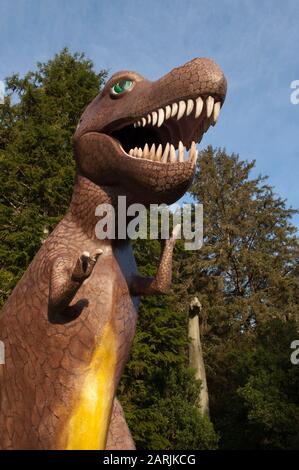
[85, 265]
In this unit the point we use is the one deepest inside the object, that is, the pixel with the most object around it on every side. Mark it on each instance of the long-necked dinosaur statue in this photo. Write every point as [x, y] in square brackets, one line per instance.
[69, 324]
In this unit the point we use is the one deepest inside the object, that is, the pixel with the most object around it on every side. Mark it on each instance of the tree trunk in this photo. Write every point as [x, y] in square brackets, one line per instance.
[196, 361]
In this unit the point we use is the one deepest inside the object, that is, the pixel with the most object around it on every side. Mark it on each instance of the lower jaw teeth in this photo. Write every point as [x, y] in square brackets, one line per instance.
[168, 154]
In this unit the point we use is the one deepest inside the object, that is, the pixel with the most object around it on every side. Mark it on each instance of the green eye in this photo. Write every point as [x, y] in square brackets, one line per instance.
[121, 86]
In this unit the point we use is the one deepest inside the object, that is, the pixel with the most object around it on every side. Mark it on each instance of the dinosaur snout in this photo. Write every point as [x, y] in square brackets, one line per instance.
[198, 77]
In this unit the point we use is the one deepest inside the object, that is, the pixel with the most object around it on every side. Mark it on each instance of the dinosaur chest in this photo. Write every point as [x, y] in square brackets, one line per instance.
[89, 416]
[71, 368]
[87, 426]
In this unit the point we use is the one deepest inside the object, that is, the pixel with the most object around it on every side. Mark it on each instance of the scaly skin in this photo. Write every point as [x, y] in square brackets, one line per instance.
[69, 324]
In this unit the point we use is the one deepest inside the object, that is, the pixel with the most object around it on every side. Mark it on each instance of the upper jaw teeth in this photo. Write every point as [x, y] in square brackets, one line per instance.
[195, 107]
[207, 110]
[166, 155]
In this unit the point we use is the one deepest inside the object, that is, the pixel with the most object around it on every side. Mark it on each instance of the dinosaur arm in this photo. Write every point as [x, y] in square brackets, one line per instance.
[63, 287]
[160, 284]
[65, 279]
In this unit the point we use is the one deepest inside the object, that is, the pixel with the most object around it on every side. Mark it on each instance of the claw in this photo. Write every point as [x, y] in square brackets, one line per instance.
[85, 264]
[96, 254]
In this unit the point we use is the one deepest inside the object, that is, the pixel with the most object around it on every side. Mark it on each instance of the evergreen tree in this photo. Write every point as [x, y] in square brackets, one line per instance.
[37, 121]
[250, 247]
[246, 277]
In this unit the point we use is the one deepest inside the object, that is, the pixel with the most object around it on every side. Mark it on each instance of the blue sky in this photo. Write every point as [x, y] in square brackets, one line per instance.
[254, 41]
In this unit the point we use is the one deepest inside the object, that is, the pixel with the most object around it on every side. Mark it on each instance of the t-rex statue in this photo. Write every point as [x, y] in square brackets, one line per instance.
[68, 325]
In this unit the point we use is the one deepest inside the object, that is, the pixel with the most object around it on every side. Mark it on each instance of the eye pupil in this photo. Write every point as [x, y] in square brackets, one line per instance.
[122, 86]
[117, 88]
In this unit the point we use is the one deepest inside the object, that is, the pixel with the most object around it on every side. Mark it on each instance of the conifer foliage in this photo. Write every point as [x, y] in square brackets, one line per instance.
[37, 122]
[246, 277]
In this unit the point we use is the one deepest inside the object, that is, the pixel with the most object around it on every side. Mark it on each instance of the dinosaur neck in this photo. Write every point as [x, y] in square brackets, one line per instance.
[87, 196]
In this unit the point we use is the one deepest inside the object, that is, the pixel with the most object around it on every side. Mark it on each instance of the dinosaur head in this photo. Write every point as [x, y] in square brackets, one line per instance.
[141, 135]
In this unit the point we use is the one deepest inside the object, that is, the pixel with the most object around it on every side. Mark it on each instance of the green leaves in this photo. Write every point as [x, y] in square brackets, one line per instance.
[270, 392]
[37, 122]
[246, 277]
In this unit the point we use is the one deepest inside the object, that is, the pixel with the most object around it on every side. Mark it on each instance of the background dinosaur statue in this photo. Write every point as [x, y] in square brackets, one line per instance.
[69, 324]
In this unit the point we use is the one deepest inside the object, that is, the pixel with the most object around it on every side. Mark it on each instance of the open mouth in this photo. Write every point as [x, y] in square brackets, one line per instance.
[164, 134]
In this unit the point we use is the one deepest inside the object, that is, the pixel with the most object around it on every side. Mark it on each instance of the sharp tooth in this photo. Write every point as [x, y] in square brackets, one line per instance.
[131, 152]
[174, 109]
[172, 155]
[152, 152]
[138, 123]
[161, 117]
[154, 118]
[181, 152]
[182, 109]
[145, 151]
[135, 152]
[192, 153]
[216, 111]
[149, 118]
[135, 124]
[143, 120]
[199, 106]
[209, 105]
[165, 153]
[190, 105]
[167, 112]
[139, 153]
[159, 153]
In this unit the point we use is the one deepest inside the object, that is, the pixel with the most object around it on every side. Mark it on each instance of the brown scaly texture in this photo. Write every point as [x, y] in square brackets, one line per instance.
[77, 285]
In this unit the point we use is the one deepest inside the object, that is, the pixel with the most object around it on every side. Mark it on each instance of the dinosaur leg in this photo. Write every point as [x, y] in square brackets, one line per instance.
[119, 436]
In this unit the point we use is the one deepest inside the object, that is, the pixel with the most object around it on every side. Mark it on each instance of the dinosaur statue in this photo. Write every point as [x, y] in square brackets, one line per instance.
[68, 325]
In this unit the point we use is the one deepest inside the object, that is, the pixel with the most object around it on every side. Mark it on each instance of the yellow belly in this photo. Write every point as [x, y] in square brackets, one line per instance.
[88, 426]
